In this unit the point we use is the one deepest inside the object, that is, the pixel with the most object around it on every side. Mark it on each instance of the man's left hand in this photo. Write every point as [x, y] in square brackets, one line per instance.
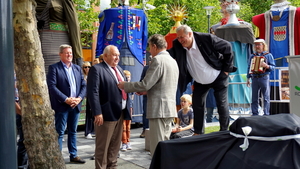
[98, 120]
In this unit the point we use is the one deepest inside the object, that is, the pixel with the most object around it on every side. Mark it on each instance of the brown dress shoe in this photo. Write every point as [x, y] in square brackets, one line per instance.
[77, 160]
[196, 134]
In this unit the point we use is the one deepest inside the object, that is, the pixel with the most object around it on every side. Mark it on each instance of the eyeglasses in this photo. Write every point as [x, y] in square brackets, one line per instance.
[87, 67]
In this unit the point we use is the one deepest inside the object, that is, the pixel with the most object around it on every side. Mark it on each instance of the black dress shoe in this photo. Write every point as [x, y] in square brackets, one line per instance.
[77, 160]
[142, 134]
[93, 157]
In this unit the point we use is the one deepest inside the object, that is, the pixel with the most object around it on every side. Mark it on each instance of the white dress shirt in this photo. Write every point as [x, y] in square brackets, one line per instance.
[199, 69]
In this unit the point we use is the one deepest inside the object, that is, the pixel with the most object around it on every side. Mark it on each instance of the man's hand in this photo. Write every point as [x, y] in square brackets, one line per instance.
[98, 120]
[121, 85]
[18, 108]
[265, 65]
[141, 93]
[76, 101]
[226, 73]
[73, 102]
[248, 82]
[69, 101]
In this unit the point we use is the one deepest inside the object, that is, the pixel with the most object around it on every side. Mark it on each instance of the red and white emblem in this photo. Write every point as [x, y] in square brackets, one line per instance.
[279, 33]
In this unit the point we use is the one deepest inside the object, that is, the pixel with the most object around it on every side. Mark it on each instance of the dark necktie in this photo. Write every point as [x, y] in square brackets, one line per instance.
[124, 95]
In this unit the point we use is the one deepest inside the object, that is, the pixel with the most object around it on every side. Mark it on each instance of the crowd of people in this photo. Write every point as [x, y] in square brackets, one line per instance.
[106, 86]
[202, 59]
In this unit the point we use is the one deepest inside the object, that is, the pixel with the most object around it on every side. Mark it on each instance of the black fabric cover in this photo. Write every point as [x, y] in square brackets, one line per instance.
[220, 150]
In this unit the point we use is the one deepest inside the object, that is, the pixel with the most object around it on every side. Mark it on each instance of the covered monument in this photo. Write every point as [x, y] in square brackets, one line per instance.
[273, 143]
[231, 28]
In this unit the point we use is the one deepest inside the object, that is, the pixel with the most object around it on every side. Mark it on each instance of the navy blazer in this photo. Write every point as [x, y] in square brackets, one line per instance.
[59, 87]
[104, 95]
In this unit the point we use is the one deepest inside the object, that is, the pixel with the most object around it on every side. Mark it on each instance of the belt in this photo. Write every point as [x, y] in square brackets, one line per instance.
[260, 76]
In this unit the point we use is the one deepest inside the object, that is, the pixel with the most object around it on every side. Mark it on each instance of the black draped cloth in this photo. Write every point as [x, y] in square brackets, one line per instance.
[221, 150]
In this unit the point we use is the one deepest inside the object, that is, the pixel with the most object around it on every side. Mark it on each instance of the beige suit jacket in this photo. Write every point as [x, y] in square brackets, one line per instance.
[160, 82]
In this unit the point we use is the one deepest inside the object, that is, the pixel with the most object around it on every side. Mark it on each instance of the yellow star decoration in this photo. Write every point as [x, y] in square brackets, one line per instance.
[177, 12]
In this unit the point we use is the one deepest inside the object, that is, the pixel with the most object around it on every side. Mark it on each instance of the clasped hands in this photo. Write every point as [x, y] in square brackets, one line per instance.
[73, 101]
[177, 129]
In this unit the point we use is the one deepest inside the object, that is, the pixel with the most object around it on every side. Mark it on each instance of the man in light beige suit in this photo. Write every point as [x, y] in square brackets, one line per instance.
[160, 85]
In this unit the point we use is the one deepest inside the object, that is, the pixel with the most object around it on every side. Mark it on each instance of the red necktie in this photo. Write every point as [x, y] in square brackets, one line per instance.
[124, 95]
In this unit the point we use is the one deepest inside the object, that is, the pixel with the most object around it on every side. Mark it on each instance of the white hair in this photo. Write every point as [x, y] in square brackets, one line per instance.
[185, 28]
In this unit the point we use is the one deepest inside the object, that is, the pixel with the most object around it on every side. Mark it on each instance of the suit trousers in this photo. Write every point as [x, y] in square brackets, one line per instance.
[145, 120]
[220, 86]
[160, 130]
[108, 138]
[89, 119]
[21, 151]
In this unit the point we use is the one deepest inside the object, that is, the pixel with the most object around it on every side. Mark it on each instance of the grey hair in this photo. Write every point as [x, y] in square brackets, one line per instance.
[185, 28]
[64, 46]
[158, 40]
[107, 49]
[266, 48]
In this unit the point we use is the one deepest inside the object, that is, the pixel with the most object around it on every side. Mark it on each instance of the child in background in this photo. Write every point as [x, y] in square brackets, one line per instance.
[126, 123]
[185, 121]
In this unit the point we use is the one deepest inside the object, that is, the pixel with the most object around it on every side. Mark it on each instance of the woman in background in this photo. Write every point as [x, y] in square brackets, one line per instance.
[89, 119]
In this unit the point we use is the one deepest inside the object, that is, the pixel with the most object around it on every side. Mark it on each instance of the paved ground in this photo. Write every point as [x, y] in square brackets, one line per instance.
[137, 158]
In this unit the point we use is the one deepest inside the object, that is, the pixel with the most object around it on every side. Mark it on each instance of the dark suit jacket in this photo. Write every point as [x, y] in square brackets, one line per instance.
[104, 95]
[217, 53]
[59, 87]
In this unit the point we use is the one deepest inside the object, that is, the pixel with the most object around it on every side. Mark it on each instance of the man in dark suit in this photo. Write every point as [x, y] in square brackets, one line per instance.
[67, 88]
[145, 120]
[208, 60]
[110, 106]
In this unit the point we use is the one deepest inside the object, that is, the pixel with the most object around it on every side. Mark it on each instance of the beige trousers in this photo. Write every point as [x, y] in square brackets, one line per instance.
[160, 130]
[108, 138]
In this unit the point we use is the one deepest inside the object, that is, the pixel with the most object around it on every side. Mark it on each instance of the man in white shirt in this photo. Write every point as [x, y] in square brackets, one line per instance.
[208, 60]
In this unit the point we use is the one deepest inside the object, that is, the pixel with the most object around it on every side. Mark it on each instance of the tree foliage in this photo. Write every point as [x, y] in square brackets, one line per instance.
[160, 22]
[261, 7]
[88, 18]
[197, 19]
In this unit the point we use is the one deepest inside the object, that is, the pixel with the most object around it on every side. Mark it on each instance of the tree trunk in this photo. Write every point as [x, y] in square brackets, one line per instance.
[38, 117]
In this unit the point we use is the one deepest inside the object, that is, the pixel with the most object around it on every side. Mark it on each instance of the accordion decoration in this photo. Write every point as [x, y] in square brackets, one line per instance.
[255, 65]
